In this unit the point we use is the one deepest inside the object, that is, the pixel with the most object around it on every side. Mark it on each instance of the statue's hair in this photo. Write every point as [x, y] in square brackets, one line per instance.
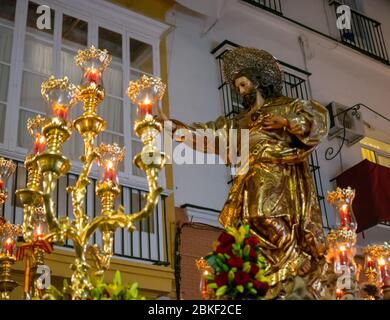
[258, 66]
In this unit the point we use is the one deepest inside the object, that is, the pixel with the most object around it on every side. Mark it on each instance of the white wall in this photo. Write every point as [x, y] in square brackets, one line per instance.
[339, 74]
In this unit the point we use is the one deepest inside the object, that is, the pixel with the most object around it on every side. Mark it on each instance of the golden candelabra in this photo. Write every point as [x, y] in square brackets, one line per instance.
[341, 244]
[46, 164]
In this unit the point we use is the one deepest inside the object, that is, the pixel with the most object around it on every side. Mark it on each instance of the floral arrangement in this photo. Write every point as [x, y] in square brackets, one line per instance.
[100, 291]
[237, 265]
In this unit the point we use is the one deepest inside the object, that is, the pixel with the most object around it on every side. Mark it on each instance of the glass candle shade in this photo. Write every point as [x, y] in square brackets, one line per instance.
[7, 167]
[342, 200]
[383, 271]
[39, 223]
[146, 92]
[109, 159]
[34, 128]
[8, 245]
[93, 62]
[60, 96]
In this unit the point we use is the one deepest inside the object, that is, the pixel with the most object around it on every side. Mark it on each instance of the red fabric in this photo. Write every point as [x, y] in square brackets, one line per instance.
[372, 198]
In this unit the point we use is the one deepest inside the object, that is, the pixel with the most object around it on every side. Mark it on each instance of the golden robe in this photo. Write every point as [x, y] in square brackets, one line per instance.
[276, 196]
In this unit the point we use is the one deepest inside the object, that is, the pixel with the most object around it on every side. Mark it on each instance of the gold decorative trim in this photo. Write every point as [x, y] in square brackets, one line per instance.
[62, 84]
[93, 53]
[135, 87]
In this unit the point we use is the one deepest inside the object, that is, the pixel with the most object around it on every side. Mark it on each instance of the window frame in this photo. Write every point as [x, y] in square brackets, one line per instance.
[106, 15]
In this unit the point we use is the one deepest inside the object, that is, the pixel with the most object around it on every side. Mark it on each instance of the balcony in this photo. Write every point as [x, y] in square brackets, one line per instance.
[273, 6]
[148, 243]
[365, 35]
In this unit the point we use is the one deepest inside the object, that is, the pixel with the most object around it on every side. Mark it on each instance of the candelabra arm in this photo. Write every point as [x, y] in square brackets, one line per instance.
[49, 185]
[152, 198]
[79, 190]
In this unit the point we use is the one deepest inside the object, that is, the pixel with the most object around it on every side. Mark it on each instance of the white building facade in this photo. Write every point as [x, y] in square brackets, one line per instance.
[348, 67]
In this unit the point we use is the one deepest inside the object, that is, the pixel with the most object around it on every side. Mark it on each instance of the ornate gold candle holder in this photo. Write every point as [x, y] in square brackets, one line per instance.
[8, 235]
[376, 266]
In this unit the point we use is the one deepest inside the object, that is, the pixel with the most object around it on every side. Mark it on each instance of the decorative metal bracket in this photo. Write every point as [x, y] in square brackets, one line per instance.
[330, 153]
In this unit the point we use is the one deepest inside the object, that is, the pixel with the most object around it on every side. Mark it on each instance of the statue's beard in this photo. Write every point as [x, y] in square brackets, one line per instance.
[249, 100]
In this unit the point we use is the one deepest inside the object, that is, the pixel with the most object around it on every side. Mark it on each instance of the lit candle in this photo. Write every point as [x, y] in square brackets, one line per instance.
[343, 255]
[109, 171]
[204, 289]
[146, 107]
[339, 294]
[344, 215]
[39, 144]
[370, 263]
[1, 184]
[9, 246]
[59, 110]
[93, 75]
[38, 233]
[383, 270]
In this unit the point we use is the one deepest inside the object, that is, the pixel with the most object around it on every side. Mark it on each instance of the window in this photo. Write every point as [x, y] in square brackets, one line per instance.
[7, 17]
[52, 51]
[376, 151]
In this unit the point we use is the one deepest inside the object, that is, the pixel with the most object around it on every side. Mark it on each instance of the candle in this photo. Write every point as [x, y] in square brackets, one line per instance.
[1, 184]
[59, 110]
[344, 215]
[383, 270]
[339, 294]
[370, 263]
[8, 246]
[93, 75]
[146, 107]
[204, 289]
[39, 144]
[109, 171]
[343, 255]
[38, 233]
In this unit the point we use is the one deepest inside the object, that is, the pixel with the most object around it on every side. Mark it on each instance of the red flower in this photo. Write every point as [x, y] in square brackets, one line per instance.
[226, 239]
[254, 269]
[235, 262]
[252, 255]
[222, 279]
[252, 241]
[241, 278]
[224, 249]
[261, 287]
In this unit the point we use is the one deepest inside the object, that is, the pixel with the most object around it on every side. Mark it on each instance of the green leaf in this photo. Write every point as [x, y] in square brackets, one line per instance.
[253, 291]
[225, 268]
[247, 248]
[210, 276]
[231, 275]
[212, 285]
[240, 288]
[221, 291]
[246, 267]
[117, 279]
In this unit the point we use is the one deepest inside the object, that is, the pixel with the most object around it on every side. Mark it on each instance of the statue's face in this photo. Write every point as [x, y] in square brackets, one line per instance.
[246, 90]
[243, 86]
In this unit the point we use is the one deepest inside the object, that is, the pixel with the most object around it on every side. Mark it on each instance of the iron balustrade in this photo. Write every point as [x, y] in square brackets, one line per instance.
[148, 242]
[274, 6]
[365, 35]
[294, 86]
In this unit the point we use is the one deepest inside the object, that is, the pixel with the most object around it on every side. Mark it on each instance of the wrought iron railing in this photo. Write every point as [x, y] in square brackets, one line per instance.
[149, 241]
[274, 6]
[294, 86]
[365, 35]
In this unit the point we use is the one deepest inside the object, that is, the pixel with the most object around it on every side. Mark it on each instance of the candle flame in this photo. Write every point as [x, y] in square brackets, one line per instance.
[110, 164]
[343, 248]
[205, 272]
[147, 101]
[39, 231]
[369, 259]
[381, 262]
[344, 207]
[41, 139]
[9, 240]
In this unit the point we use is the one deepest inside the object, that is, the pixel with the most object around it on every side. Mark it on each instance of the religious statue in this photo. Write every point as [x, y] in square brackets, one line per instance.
[275, 196]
